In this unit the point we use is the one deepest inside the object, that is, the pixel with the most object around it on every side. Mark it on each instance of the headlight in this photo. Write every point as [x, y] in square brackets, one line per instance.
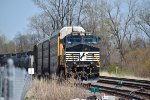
[74, 62]
[91, 62]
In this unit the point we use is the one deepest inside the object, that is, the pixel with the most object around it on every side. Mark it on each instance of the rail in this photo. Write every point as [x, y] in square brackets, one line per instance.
[125, 83]
[125, 79]
[122, 87]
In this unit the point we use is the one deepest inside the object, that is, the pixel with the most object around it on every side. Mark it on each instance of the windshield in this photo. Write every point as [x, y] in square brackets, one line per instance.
[74, 40]
[84, 40]
[90, 40]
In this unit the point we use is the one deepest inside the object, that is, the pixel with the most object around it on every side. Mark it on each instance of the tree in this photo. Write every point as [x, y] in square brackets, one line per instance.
[58, 13]
[11, 47]
[3, 49]
[22, 43]
[143, 20]
[40, 24]
[138, 43]
[121, 27]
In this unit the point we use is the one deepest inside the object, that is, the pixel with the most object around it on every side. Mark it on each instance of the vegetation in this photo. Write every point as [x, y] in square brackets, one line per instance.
[21, 43]
[50, 90]
[138, 61]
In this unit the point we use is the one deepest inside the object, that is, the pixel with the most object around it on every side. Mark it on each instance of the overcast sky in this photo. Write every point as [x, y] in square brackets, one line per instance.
[14, 16]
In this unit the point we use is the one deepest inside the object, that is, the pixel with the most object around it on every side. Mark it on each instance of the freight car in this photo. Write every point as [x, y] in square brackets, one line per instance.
[70, 51]
[21, 60]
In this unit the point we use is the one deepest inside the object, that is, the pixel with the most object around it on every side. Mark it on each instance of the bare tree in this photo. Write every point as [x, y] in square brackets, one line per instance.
[40, 25]
[61, 12]
[143, 20]
[22, 43]
[3, 44]
[11, 47]
[6, 46]
[121, 26]
[138, 42]
[90, 21]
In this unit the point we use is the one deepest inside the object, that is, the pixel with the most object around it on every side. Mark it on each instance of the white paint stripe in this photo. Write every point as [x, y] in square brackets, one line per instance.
[85, 56]
[82, 52]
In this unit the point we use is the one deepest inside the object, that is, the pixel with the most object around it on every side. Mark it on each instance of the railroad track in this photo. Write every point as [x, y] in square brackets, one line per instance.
[126, 79]
[126, 84]
[123, 87]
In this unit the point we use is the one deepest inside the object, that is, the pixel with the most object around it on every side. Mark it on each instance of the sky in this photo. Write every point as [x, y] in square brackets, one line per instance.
[14, 16]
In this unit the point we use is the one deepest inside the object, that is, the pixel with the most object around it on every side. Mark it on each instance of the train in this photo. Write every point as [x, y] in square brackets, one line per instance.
[70, 51]
[21, 60]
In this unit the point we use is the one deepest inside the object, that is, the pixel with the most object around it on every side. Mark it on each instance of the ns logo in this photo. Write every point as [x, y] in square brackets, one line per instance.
[83, 56]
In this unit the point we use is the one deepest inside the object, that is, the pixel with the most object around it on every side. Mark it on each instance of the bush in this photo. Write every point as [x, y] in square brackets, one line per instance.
[113, 68]
[138, 61]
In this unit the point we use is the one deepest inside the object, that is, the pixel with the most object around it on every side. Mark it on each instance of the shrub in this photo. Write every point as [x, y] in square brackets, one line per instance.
[112, 68]
[138, 62]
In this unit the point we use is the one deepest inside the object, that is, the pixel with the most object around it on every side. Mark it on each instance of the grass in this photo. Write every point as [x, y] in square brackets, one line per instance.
[51, 90]
[116, 71]
[123, 75]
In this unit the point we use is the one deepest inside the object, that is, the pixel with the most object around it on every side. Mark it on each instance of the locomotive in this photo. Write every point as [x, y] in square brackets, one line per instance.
[70, 51]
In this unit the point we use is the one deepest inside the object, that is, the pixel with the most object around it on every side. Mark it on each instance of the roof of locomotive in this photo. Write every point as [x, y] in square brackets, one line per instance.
[67, 30]
[44, 39]
[63, 32]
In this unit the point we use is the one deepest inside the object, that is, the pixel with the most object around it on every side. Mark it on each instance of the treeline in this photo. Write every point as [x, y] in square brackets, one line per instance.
[21, 43]
[123, 25]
